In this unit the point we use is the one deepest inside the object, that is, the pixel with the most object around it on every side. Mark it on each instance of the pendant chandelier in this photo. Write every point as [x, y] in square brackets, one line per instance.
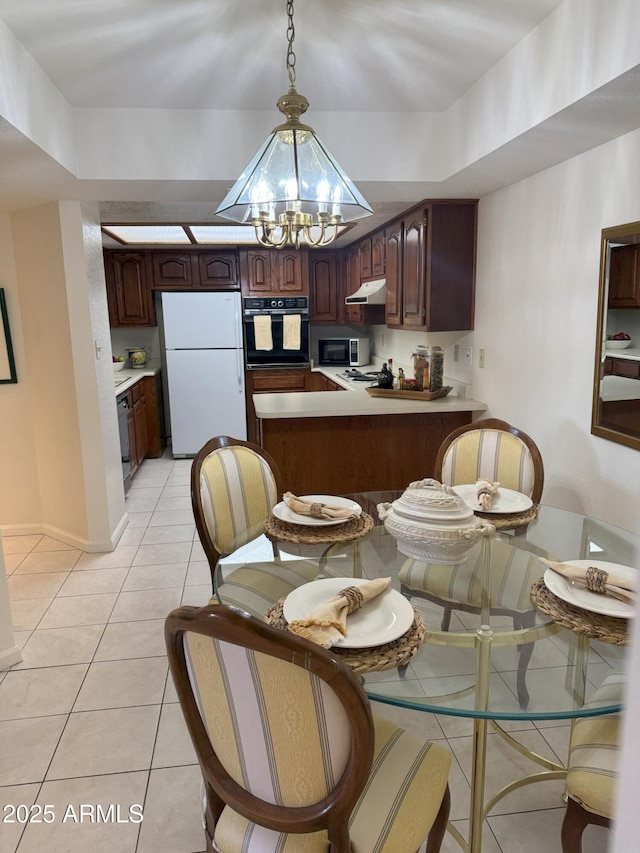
[293, 191]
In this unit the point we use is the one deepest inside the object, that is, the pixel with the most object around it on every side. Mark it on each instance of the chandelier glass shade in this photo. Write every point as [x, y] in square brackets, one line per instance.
[293, 190]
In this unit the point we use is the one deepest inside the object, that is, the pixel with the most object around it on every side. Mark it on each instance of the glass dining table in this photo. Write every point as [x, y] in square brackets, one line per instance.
[487, 652]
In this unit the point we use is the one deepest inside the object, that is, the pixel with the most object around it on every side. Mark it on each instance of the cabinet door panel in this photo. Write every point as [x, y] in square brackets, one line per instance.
[255, 267]
[624, 277]
[323, 287]
[378, 259]
[289, 271]
[413, 273]
[218, 269]
[393, 308]
[172, 270]
[353, 313]
[365, 259]
[128, 290]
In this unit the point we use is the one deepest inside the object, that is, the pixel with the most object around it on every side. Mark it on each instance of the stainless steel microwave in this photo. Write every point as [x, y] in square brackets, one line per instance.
[352, 352]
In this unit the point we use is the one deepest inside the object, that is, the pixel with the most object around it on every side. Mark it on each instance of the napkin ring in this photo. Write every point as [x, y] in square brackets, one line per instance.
[596, 579]
[354, 598]
[316, 510]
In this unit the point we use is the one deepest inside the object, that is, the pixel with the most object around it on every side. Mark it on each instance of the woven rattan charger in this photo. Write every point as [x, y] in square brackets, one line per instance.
[332, 535]
[373, 659]
[301, 534]
[596, 626]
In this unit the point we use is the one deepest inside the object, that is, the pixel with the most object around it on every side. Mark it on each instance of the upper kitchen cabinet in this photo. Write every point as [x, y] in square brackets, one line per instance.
[218, 269]
[430, 268]
[274, 271]
[624, 277]
[324, 304]
[128, 277]
[195, 270]
[378, 254]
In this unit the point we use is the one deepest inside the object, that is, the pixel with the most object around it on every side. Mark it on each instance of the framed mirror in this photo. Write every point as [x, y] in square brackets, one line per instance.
[616, 385]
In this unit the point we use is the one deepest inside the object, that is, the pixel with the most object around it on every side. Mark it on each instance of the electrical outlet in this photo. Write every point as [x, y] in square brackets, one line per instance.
[469, 355]
[382, 344]
[456, 352]
[481, 358]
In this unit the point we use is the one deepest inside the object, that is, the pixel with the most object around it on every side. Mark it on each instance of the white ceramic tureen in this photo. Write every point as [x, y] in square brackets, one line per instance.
[433, 523]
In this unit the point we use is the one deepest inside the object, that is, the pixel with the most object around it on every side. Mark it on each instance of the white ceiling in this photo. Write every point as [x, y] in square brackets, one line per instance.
[353, 56]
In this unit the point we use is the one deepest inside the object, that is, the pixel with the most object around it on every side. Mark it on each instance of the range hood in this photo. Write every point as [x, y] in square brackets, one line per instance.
[370, 293]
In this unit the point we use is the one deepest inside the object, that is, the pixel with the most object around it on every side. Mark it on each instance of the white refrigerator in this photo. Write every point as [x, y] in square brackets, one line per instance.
[201, 336]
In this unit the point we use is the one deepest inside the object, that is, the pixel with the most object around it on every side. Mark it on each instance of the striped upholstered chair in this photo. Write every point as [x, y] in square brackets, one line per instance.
[593, 767]
[291, 757]
[494, 450]
[234, 487]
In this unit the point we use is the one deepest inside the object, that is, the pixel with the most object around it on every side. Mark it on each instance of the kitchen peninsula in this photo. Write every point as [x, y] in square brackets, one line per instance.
[338, 443]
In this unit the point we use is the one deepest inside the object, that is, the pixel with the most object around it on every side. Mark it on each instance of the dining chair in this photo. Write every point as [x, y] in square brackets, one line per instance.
[463, 587]
[290, 753]
[491, 449]
[592, 769]
[234, 486]
[494, 450]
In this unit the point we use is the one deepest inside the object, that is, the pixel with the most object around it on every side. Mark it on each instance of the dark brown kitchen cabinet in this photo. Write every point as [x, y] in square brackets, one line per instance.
[365, 259]
[624, 277]
[195, 270]
[129, 298]
[320, 382]
[271, 381]
[393, 308]
[138, 398]
[352, 314]
[218, 269]
[622, 367]
[378, 254]
[144, 420]
[432, 287]
[323, 287]
[172, 270]
[152, 387]
[274, 271]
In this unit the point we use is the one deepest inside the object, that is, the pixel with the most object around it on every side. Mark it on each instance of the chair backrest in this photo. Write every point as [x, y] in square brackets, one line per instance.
[282, 729]
[234, 487]
[494, 450]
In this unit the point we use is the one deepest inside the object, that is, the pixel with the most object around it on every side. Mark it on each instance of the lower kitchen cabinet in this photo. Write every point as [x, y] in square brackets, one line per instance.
[343, 455]
[320, 382]
[622, 367]
[271, 381]
[145, 422]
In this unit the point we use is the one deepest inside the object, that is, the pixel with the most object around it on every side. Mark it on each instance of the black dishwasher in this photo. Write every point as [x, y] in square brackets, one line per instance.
[122, 404]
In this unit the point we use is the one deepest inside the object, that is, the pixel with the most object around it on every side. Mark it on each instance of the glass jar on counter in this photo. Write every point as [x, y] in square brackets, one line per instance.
[436, 372]
[421, 368]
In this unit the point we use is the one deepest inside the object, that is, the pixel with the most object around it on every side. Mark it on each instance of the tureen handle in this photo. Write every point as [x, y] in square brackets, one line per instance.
[484, 529]
[383, 509]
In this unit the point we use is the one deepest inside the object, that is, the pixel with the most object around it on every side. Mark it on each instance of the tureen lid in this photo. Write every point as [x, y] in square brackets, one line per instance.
[429, 499]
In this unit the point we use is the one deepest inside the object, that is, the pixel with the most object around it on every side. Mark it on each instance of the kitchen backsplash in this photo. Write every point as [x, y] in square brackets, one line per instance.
[400, 345]
[624, 320]
[138, 337]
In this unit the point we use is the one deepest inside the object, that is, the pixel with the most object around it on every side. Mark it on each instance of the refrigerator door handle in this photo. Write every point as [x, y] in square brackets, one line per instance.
[240, 360]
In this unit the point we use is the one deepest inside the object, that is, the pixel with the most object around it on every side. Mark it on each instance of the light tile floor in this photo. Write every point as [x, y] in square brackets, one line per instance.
[90, 715]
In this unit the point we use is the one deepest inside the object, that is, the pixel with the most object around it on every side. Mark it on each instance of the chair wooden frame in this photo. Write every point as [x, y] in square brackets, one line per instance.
[495, 423]
[217, 443]
[576, 820]
[332, 812]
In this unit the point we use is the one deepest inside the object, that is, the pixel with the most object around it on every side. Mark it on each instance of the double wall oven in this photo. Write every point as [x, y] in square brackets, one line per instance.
[276, 331]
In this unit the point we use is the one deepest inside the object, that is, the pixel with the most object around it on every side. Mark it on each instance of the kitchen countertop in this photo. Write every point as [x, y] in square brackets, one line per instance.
[631, 353]
[319, 404]
[619, 388]
[130, 376]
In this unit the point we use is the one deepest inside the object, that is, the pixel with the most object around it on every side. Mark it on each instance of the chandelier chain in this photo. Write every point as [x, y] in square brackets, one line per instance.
[291, 34]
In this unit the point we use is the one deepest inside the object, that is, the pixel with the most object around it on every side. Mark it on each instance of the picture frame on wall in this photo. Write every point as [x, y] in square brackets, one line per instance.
[7, 362]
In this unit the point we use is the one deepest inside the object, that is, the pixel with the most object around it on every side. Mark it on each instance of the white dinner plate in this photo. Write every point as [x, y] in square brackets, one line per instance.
[382, 620]
[574, 594]
[282, 511]
[504, 501]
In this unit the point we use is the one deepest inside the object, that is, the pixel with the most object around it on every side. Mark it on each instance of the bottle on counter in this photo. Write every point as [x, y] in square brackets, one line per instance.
[385, 377]
[400, 378]
[436, 370]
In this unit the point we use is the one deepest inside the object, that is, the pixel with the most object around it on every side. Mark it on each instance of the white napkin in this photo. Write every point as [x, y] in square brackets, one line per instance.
[596, 580]
[262, 331]
[329, 622]
[291, 331]
[316, 510]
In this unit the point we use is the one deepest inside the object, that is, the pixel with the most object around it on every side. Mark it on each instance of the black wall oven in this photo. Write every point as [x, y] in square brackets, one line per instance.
[276, 331]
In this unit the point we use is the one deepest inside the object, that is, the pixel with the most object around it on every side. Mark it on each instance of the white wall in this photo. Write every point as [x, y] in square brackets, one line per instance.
[536, 306]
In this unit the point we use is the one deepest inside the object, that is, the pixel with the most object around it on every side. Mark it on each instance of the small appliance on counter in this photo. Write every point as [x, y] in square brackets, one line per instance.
[351, 352]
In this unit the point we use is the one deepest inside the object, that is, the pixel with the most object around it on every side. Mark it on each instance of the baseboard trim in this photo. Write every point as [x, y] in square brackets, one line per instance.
[10, 657]
[68, 538]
